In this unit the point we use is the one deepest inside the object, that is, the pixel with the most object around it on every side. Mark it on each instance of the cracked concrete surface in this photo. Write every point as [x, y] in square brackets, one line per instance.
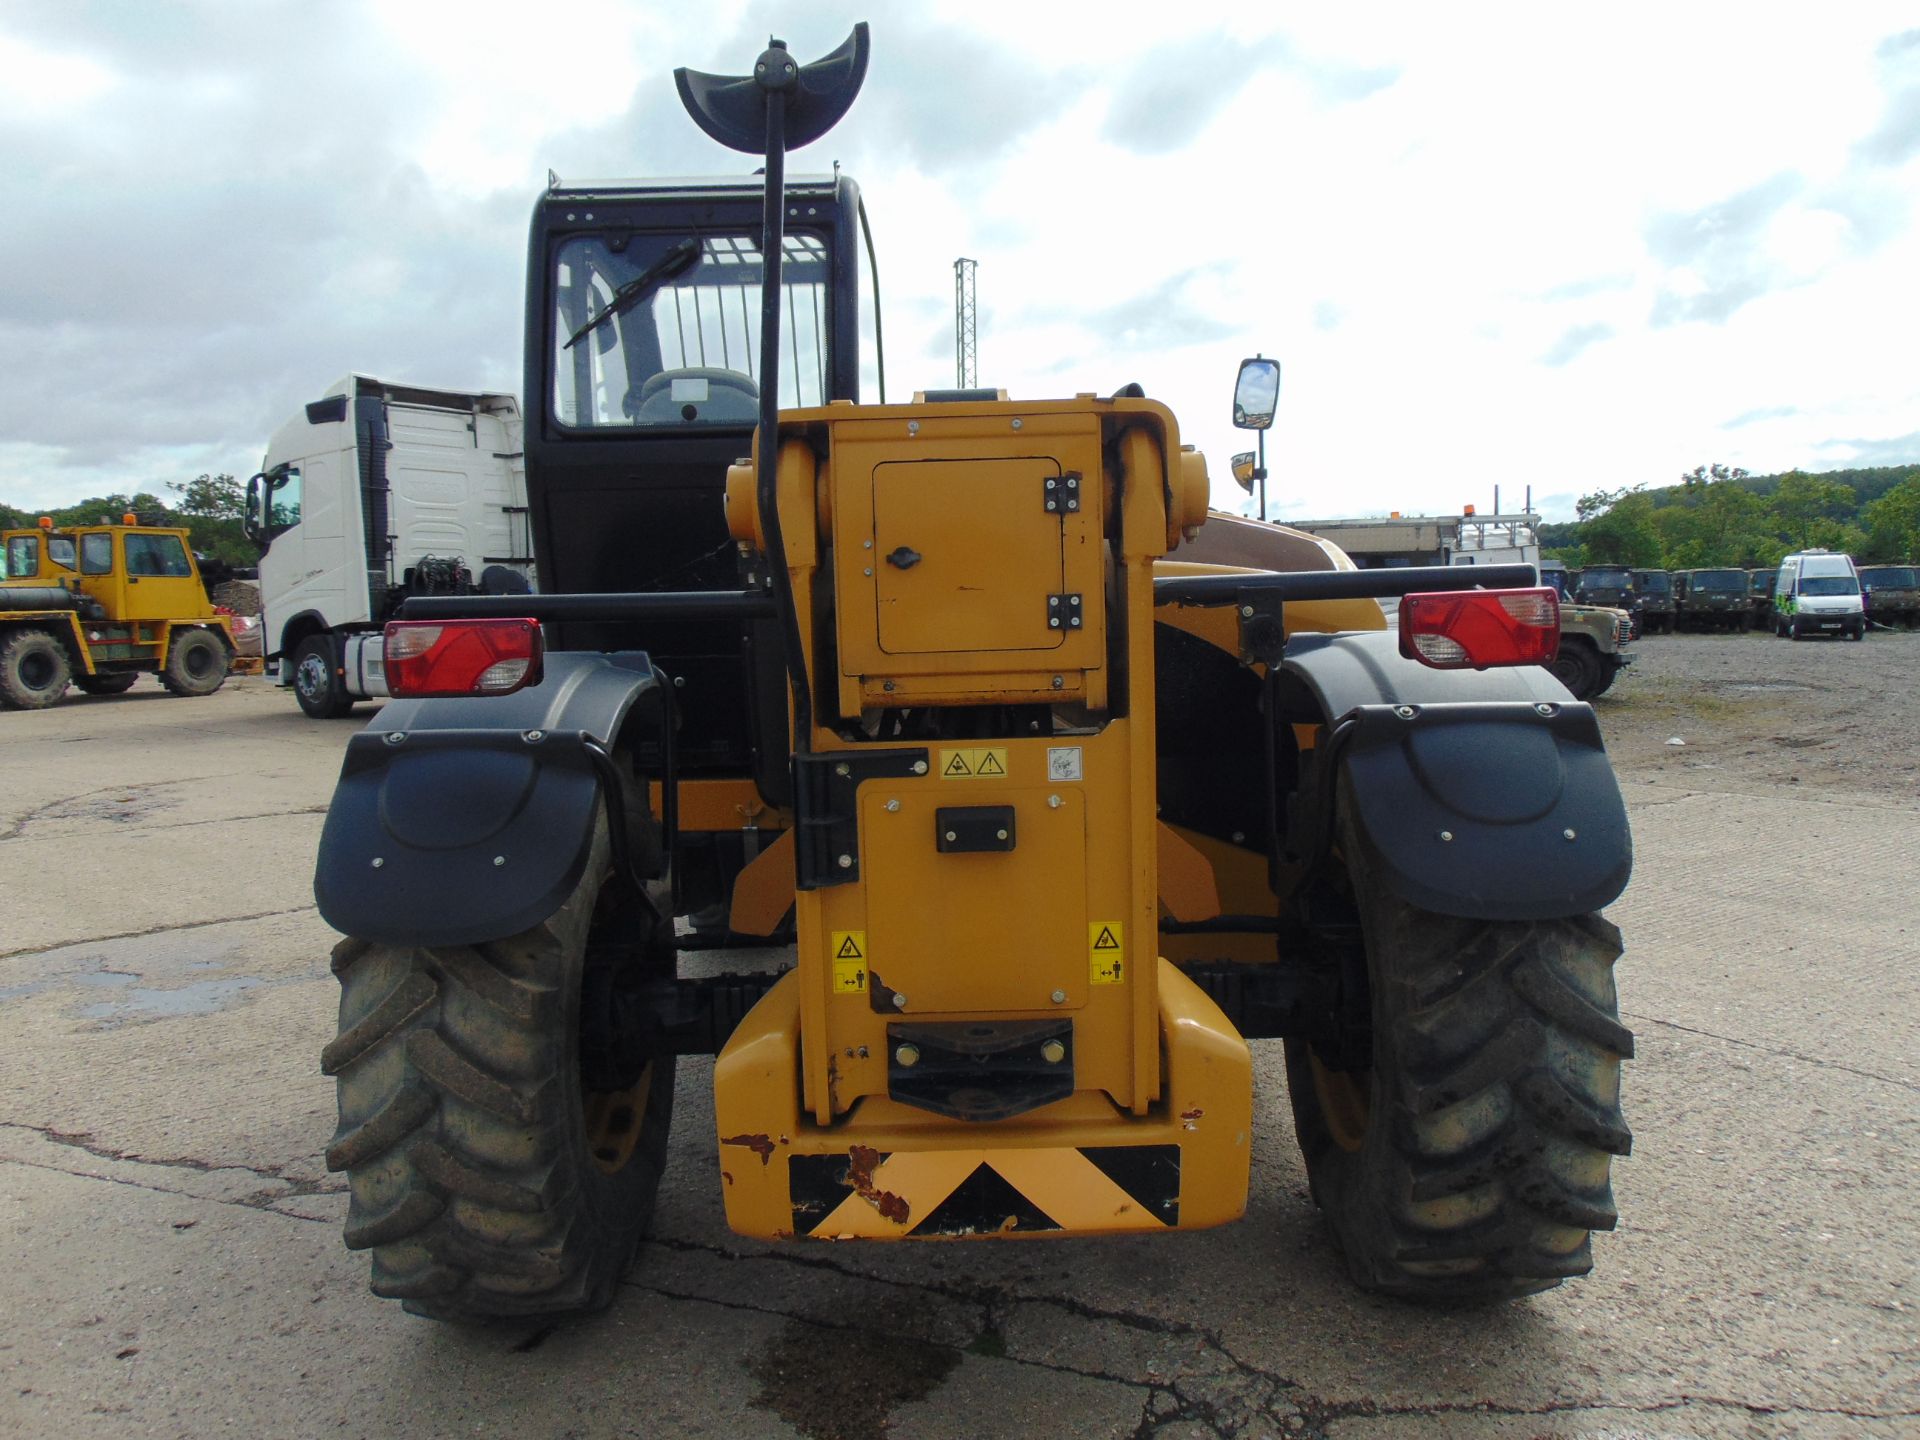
[170, 1261]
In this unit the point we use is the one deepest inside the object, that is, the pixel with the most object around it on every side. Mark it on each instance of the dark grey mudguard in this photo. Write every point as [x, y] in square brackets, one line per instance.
[468, 820]
[1492, 799]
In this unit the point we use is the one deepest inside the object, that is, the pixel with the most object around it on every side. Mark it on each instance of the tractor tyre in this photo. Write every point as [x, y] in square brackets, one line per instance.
[35, 670]
[107, 682]
[1578, 668]
[1470, 1161]
[317, 682]
[486, 1177]
[197, 664]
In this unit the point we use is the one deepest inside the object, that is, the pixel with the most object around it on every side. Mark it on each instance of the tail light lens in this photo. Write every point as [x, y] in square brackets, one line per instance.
[1473, 629]
[433, 658]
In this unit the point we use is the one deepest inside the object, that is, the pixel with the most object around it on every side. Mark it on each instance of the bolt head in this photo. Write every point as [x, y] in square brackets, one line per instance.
[919, 767]
[892, 805]
[397, 737]
[951, 837]
[1053, 1052]
[906, 1056]
[1568, 835]
[899, 1001]
[1054, 802]
[499, 860]
[1246, 612]
[1405, 712]
[1016, 423]
[378, 862]
[843, 769]
[1000, 834]
[1446, 835]
[846, 862]
[1059, 682]
[1059, 997]
[534, 737]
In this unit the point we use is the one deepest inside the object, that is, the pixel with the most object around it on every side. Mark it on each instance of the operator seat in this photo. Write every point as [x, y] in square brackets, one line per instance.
[728, 396]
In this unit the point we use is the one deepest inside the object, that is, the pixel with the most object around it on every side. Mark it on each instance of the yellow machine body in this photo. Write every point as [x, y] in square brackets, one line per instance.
[145, 579]
[997, 888]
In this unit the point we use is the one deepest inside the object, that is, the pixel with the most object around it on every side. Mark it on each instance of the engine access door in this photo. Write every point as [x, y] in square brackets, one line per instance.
[966, 558]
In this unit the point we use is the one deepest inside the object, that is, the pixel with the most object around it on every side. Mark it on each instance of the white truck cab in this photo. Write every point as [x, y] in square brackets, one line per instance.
[1818, 593]
[373, 493]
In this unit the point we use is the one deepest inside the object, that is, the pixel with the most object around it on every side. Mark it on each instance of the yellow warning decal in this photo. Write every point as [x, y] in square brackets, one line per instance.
[848, 949]
[973, 763]
[1106, 948]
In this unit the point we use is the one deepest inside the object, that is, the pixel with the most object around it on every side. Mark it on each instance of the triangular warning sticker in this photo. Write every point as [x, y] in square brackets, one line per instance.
[848, 950]
[958, 765]
[989, 765]
[1105, 940]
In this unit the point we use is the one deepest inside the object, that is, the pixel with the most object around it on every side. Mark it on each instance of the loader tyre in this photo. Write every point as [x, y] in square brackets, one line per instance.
[35, 670]
[197, 663]
[1470, 1161]
[108, 682]
[486, 1178]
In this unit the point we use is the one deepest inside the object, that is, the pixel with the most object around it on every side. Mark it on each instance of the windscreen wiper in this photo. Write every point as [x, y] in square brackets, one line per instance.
[670, 266]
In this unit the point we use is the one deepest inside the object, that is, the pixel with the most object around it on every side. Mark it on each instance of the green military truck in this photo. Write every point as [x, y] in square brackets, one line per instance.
[1892, 594]
[1712, 600]
[1760, 585]
[1653, 601]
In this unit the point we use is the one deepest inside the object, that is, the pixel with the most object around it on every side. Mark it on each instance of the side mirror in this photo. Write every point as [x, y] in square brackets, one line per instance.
[1243, 470]
[1256, 394]
[251, 523]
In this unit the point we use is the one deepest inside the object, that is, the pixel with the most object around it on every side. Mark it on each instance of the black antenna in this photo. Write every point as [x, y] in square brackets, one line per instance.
[780, 106]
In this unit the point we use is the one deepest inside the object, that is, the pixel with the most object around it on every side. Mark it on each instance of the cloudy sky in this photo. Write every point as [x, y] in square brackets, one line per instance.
[1548, 246]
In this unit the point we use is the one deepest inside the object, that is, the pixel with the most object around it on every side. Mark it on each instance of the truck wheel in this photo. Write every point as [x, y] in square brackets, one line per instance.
[1470, 1160]
[197, 664]
[107, 683]
[1609, 668]
[498, 1165]
[317, 683]
[34, 670]
[1577, 668]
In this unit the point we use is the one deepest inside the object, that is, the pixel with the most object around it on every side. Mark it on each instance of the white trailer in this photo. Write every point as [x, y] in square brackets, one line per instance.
[374, 493]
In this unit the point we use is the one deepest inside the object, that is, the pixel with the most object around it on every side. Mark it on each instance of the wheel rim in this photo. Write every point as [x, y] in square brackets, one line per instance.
[613, 1121]
[199, 660]
[1345, 1103]
[311, 678]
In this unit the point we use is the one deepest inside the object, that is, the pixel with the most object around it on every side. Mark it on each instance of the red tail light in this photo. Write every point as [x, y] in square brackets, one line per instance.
[1462, 629]
[427, 658]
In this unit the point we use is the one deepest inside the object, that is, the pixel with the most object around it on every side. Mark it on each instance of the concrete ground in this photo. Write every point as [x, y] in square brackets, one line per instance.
[170, 1256]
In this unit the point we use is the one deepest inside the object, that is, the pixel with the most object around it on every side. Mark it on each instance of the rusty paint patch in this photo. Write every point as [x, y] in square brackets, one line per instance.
[727, 1175]
[1188, 1117]
[861, 1160]
[758, 1144]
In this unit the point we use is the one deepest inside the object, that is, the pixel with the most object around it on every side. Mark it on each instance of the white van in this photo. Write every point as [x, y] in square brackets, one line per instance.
[1818, 592]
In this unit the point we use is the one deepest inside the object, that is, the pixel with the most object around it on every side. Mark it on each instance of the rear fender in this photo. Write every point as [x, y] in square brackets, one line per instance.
[1485, 794]
[462, 821]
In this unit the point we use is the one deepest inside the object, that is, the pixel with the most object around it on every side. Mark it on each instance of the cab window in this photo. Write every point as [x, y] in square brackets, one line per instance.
[96, 553]
[60, 550]
[157, 555]
[23, 557]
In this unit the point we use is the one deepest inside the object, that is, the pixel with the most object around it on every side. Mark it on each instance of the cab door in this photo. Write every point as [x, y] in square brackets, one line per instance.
[159, 577]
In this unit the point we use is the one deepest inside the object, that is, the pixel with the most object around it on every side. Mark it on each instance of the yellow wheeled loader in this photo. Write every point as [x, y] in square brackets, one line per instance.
[98, 606]
[1062, 788]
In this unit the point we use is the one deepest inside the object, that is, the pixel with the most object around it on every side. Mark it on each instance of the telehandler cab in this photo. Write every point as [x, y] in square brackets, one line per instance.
[1056, 823]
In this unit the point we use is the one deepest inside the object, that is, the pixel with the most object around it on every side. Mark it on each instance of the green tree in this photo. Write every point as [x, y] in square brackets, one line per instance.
[1617, 528]
[12, 519]
[212, 506]
[1802, 501]
[1893, 523]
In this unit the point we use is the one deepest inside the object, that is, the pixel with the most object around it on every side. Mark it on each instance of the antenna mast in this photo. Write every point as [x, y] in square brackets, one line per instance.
[966, 346]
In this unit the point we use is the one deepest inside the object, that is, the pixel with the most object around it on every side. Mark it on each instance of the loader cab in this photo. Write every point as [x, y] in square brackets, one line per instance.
[641, 387]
